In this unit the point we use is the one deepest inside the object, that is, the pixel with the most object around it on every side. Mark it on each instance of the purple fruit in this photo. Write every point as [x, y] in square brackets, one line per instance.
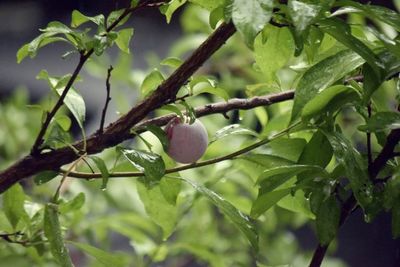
[187, 142]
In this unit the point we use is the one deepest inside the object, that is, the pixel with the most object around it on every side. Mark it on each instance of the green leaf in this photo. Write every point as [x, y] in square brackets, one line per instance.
[297, 203]
[78, 19]
[327, 220]
[288, 148]
[322, 75]
[52, 231]
[356, 171]
[240, 220]
[266, 161]
[273, 178]
[303, 14]
[75, 204]
[214, 91]
[381, 121]
[161, 211]
[123, 39]
[250, 17]
[329, 100]
[13, 204]
[174, 109]
[151, 164]
[381, 13]
[208, 4]
[216, 15]
[396, 219]
[341, 32]
[169, 9]
[106, 259]
[273, 54]
[266, 201]
[114, 15]
[101, 165]
[233, 129]
[151, 82]
[64, 121]
[172, 62]
[170, 189]
[30, 49]
[311, 154]
[44, 177]
[75, 104]
[160, 134]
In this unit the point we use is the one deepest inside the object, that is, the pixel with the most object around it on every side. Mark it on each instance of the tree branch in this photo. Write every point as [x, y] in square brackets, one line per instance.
[118, 131]
[82, 59]
[221, 107]
[373, 169]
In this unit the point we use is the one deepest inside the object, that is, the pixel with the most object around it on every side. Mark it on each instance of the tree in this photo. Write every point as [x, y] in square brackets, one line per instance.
[313, 137]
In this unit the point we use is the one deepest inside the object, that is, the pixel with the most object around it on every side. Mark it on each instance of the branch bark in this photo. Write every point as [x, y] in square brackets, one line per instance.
[118, 131]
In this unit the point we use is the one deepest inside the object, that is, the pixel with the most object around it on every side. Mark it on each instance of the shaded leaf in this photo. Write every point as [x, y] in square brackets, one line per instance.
[354, 165]
[169, 9]
[13, 204]
[101, 165]
[327, 220]
[265, 201]
[240, 220]
[52, 231]
[75, 204]
[381, 121]
[44, 177]
[297, 203]
[160, 134]
[106, 259]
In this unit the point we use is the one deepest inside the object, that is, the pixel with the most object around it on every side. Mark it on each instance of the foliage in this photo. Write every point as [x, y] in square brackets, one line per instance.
[268, 169]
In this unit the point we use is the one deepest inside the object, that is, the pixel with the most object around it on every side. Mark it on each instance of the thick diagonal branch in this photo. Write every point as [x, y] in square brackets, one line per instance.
[118, 131]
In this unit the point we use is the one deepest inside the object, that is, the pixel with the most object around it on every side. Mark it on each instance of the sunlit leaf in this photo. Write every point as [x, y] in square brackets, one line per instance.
[123, 39]
[275, 52]
[250, 17]
[265, 201]
[13, 204]
[161, 211]
[234, 129]
[322, 75]
[151, 164]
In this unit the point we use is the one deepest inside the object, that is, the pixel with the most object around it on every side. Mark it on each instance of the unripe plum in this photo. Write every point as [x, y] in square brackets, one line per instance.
[187, 142]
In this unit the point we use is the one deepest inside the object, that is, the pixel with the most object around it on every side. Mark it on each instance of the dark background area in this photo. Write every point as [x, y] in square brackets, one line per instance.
[360, 244]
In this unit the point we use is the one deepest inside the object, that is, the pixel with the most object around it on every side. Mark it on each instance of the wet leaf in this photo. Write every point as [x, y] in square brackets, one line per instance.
[322, 75]
[151, 164]
[265, 201]
[327, 220]
[233, 129]
[381, 121]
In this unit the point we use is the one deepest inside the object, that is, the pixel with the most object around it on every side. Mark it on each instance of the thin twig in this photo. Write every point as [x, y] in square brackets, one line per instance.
[119, 131]
[230, 156]
[108, 99]
[82, 59]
